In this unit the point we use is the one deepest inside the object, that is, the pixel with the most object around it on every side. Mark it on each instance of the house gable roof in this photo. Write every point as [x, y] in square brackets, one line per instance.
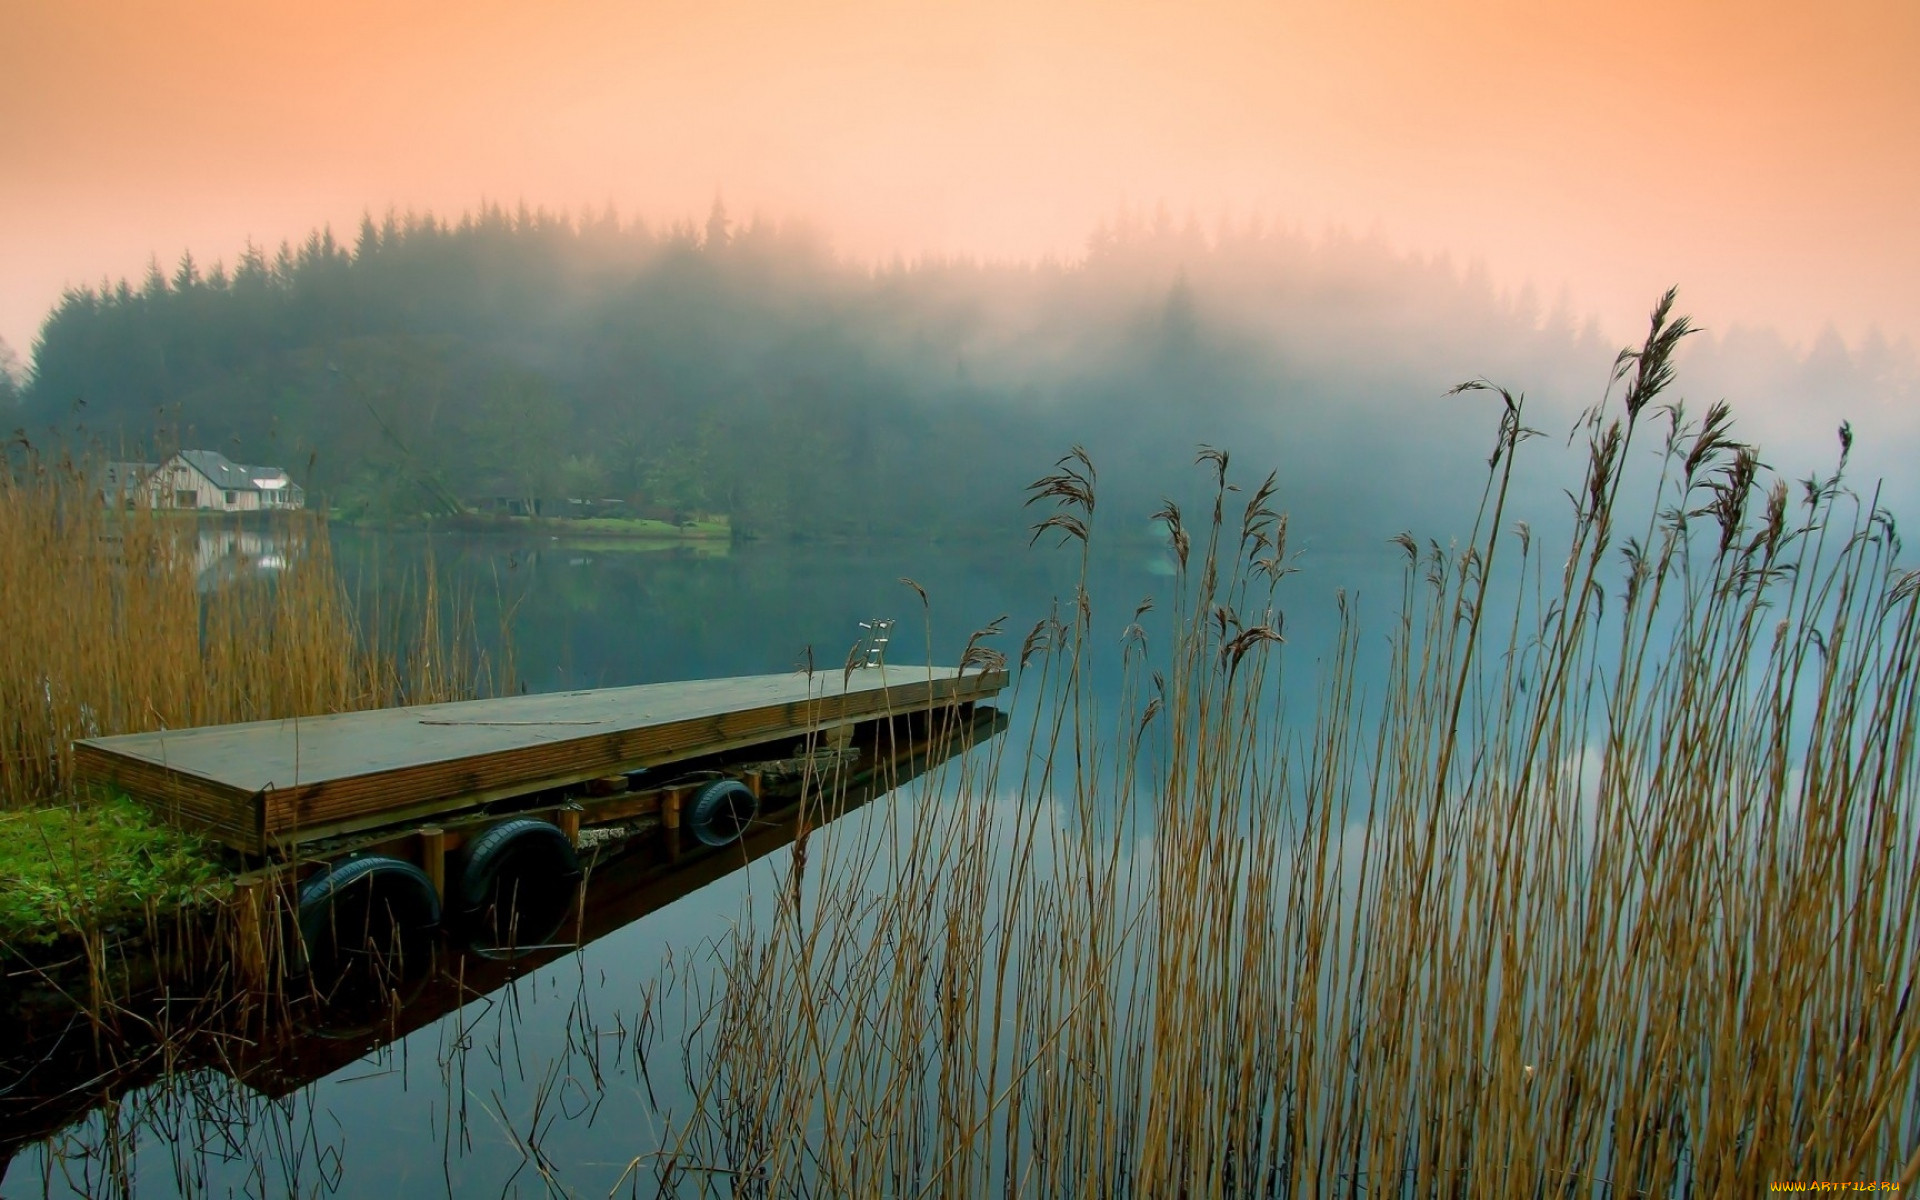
[218, 469]
[227, 475]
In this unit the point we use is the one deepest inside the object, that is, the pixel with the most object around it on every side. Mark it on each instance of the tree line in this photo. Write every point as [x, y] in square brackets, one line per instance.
[743, 368]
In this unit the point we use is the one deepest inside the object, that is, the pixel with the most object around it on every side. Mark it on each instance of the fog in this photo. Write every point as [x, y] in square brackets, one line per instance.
[741, 367]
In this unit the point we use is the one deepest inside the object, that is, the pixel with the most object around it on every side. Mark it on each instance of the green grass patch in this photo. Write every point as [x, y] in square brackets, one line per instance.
[90, 864]
[718, 528]
[637, 527]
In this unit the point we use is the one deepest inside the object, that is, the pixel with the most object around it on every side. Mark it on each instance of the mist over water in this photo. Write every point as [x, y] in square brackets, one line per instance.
[585, 1055]
[741, 368]
[861, 429]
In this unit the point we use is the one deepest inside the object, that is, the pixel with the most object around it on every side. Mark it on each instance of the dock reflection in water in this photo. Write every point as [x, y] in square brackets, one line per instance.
[90, 1100]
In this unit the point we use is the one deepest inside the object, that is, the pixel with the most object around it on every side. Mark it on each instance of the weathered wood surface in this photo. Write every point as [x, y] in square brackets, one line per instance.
[269, 785]
[647, 878]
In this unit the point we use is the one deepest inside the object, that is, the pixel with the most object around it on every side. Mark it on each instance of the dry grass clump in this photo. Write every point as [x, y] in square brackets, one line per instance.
[1611, 892]
[110, 624]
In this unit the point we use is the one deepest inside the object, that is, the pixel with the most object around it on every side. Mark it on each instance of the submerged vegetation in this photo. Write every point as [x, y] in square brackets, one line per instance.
[1610, 891]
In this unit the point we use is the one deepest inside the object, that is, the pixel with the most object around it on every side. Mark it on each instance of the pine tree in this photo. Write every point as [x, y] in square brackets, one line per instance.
[156, 285]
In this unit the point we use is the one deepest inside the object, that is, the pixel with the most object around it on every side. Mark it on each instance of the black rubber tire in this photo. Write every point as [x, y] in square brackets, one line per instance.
[517, 884]
[372, 906]
[721, 812]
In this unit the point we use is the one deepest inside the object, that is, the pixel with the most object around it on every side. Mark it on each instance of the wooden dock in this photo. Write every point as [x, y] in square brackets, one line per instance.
[295, 1039]
[268, 787]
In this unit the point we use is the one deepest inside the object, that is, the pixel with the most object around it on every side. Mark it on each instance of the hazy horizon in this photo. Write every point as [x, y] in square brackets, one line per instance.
[742, 365]
[1762, 157]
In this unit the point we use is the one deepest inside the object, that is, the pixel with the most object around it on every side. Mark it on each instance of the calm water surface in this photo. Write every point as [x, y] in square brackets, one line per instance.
[575, 1067]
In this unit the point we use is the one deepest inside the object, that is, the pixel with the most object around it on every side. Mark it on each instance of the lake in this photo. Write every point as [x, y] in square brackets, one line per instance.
[1426, 947]
[580, 1055]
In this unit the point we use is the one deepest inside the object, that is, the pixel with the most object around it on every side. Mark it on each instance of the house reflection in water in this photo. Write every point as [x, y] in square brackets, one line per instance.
[225, 555]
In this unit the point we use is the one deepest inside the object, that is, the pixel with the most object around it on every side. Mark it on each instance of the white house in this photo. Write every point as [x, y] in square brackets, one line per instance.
[206, 479]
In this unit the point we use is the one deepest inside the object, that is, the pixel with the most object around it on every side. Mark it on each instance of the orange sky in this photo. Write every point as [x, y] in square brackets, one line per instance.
[1764, 155]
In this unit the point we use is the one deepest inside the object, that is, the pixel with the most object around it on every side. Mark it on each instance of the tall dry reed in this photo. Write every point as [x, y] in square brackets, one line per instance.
[1610, 892]
[113, 622]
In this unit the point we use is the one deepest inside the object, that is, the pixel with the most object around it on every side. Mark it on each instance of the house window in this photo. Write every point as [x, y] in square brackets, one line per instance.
[184, 498]
[229, 497]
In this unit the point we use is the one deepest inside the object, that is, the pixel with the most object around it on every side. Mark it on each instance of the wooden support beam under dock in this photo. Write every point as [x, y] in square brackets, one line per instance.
[266, 787]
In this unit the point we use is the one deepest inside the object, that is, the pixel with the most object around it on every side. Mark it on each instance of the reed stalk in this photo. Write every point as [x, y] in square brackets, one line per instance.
[116, 621]
[1610, 892]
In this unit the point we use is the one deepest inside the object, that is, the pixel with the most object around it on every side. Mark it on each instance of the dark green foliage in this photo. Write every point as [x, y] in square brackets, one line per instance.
[742, 370]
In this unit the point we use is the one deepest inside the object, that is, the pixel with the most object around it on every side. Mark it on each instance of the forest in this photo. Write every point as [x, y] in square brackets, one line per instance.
[745, 369]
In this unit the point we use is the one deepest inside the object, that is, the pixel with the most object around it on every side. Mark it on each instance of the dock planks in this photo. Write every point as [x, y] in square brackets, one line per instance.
[268, 786]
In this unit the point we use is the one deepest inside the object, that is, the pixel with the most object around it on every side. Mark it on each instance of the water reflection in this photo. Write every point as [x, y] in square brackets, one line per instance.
[195, 1087]
[606, 616]
[484, 1073]
[226, 555]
